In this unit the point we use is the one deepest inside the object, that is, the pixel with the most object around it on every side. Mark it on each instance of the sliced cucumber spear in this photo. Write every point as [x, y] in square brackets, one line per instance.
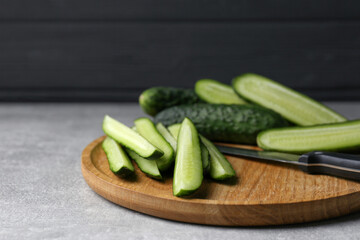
[149, 167]
[343, 136]
[146, 128]
[205, 156]
[212, 91]
[130, 139]
[167, 135]
[219, 166]
[188, 172]
[292, 105]
[174, 130]
[119, 162]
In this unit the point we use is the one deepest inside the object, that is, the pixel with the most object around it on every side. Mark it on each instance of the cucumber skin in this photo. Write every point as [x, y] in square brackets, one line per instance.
[228, 92]
[293, 132]
[226, 123]
[332, 116]
[155, 99]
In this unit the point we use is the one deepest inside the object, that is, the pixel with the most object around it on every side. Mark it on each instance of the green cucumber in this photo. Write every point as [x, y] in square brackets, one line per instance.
[146, 128]
[292, 105]
[119, 162]
[167, 135]
[220, 167]
[174, 130]
[130, 139]
[154, 100]
[212, 91]
[226, 123]
[149, 167]
[343, 136]
[205, 158]
[188, 172]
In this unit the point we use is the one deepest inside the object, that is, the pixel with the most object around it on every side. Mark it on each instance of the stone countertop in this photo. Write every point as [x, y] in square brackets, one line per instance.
[44, 196]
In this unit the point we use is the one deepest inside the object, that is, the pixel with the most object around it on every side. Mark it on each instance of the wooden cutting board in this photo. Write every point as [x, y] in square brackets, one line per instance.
[262, 193]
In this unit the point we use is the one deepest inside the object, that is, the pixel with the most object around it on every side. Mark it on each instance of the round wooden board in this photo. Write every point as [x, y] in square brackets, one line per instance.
[262, 193]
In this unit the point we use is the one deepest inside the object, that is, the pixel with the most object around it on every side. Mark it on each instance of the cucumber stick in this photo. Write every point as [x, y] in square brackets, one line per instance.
[343, 136]
[149, 167]
[188, 172]
[167, 135]
[292, 105]
[119, 162]
[174, 130]
[205, 156]
[212, 91]
[146, 128]
[130, 139]
[219, 167]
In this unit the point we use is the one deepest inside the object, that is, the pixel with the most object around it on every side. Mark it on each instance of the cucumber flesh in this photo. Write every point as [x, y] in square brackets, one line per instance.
[130, 139]
[147, 129]
[174, 130]
[220, 167]
[119, 162]
[292, 105]
[188, 172]
[343, 136]
[167, 135]
[149, 167]
[212, 91]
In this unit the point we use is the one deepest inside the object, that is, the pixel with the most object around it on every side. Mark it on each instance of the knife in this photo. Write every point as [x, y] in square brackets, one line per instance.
[316, 162]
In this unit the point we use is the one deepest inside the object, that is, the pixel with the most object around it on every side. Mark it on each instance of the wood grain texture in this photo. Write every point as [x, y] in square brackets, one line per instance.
[45, 61]
[178, 10]
[262, 194]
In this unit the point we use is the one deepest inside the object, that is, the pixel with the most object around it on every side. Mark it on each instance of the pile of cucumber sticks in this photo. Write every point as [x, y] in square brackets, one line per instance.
[254, 110]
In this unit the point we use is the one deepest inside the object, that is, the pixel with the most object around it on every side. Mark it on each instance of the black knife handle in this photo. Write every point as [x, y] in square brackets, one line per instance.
[330, 163]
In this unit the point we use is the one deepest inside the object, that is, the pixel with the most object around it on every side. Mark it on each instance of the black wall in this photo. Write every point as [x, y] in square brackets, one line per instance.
[92, 50]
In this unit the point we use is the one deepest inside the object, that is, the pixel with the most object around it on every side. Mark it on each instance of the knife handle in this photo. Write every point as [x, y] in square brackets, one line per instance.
[330, 163]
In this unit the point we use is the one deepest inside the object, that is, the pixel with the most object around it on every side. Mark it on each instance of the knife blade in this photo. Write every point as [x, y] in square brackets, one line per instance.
[316, 162]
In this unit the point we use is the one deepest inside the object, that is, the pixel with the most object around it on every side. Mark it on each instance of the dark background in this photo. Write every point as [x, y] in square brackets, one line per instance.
[110, 50]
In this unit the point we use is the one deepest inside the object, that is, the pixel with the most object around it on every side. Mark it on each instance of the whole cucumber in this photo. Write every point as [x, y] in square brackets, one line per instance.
[226, 123]
[155, 99]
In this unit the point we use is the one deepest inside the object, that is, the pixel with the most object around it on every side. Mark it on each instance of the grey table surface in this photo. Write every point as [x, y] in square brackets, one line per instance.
[44, 196]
